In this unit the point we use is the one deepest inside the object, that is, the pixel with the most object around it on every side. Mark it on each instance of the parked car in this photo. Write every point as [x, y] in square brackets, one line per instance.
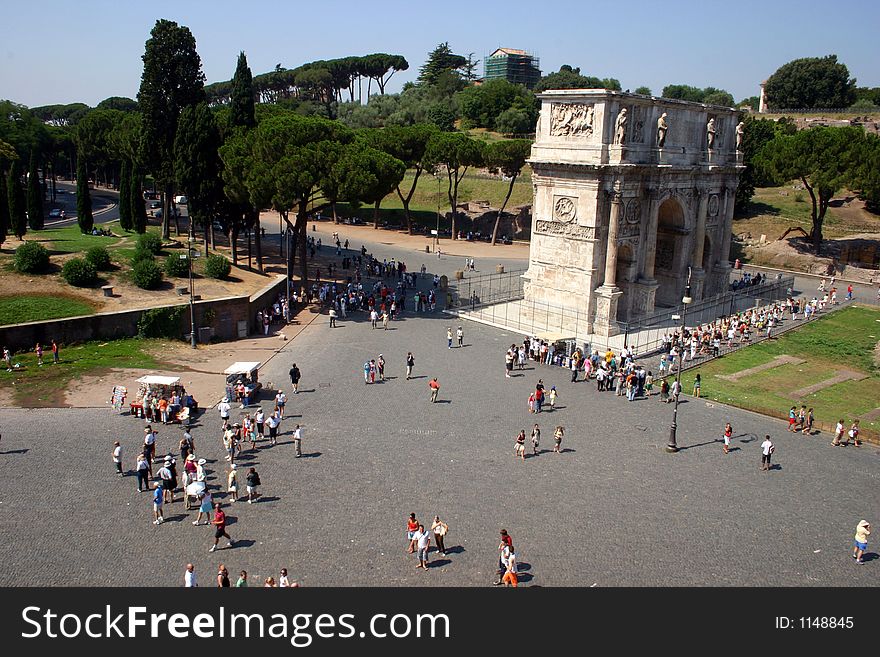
[155, 204]
[180, 200]
[56, 213]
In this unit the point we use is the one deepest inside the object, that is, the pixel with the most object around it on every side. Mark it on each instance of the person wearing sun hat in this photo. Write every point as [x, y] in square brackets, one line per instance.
[201, 475]
[223, 407]
[232, 482]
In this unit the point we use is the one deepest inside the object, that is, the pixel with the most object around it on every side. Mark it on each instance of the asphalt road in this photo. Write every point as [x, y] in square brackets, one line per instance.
[105, 206]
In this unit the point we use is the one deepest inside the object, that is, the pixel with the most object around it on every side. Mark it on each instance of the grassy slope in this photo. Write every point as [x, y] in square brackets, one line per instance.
[843, 340]
[17, 309]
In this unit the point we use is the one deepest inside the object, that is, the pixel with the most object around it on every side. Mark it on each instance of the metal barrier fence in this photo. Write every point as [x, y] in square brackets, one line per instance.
[488, 288]
[497, 299]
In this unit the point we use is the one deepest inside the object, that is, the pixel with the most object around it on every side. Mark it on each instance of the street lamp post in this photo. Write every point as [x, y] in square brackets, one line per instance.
[672, 447]
[437, 233]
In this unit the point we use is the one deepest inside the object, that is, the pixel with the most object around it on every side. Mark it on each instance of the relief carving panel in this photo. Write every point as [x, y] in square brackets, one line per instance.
[571, 120]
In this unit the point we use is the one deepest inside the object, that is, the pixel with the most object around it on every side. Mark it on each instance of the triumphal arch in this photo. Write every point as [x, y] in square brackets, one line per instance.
[630, 192]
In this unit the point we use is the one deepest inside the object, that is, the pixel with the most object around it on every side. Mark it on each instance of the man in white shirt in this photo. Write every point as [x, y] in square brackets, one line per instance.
[117, 457]
[189, 577]
[224, 409]
[297, 440]
[767, 450]
[423, 539]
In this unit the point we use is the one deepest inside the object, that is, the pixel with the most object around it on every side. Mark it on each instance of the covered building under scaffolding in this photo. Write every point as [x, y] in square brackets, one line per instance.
[515, 66]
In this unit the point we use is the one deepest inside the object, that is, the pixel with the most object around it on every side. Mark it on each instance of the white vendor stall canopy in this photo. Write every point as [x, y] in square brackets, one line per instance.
[242, 368]
[154, 380]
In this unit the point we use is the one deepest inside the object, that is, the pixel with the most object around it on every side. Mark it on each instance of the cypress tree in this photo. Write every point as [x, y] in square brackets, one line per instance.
[138, 207]
[83, 198]
[15, 194]
[34, 196]
[242, 104]
[4, 209]
[125, 220]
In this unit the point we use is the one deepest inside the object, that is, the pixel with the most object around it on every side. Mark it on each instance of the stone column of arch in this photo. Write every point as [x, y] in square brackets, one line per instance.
[651, 235]
[610, 279]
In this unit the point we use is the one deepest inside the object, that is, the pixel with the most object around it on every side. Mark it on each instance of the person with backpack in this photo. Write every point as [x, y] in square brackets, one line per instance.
[253, 482]
[767, 449]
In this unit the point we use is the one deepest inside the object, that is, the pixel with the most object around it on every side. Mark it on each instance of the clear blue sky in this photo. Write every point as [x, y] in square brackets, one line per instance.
[88, 50]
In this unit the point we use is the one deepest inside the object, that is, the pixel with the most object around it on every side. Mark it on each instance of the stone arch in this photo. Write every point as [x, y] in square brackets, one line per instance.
[627, 263]
[671, 255]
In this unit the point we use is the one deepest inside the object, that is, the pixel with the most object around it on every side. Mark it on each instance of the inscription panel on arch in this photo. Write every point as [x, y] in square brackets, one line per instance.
[560, 229]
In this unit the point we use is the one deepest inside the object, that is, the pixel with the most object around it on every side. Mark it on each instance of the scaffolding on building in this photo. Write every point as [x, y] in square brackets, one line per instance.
[515, 66]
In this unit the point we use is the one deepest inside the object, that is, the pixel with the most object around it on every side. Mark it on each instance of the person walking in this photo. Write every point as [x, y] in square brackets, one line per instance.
[222, 577]
[295, 376]
[366, 372]
[280, 402]
[792, 419]
[506, 543]
[297, 441]
[219, 523]
[808, 423]
[558, 434]
[434, 386]
[253, 482]
[158, 499]
[223, 407]
[854, 433]
[728, 433]
[206, 503]
[380, 367]
[189, 577]
[863, 530]
[374, 318]
[332, 318]
[508, 363]
[412, 526]
[39, 351]
[697, 383]
[385, 317]
[510, 574]
[166, 482]
[423, 540]
[449, 336]
[439, 529]
[410, 363]
[838, 433]
[272, 422]
[242, 582]
[143, 473]
[117, 457]
[574, 368]
[232, 482]
[55, 354]
[536, 439]
[519, 447]
[553, 396]
[767, 449]
[459, 334]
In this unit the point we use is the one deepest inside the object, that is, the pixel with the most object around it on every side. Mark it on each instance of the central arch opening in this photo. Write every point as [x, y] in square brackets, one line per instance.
[670, 254]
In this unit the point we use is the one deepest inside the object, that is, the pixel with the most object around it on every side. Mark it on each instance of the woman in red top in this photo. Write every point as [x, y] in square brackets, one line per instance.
[219, 523]
[412, 526]
[728, 433]
[506, 541]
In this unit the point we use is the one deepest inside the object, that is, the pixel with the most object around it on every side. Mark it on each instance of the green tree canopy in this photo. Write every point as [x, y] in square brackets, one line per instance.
[811, 82]
[757, 132]
[570, 78]
[83, 197]
[16, 200]
[120, 103]
[709, 95]
[453, 152]
[644, 91]
[823, 159]
[242, 95]
[507, 158]
[481, 105]
[34, 196]
[172, 80]
[441, 60]
[197, 163]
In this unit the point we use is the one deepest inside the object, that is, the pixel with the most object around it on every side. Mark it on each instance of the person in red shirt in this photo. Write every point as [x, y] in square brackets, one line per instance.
[219, 523]
[435, 388]
[412, 526]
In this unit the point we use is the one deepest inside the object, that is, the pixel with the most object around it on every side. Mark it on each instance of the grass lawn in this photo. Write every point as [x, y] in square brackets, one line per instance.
[71, 240]
[44, 386]
[845, 339]
[18, 309]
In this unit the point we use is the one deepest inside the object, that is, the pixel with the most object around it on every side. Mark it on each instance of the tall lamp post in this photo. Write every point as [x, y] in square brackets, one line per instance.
[192, 308]
[437, 232]
[672, 447]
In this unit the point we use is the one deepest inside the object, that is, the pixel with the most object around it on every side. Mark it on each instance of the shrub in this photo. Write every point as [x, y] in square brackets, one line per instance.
[150, 242]
[216, 266]
[79, 272]
[141, 255]
[176, 266]
[31, 258]
[146, 274]
[99, 258]
[161, 323]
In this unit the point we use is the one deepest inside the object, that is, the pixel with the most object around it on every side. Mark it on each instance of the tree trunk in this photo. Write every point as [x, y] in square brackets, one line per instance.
[501, 211]
[406, 199]
[258, 241]
[167, 195]
[333, 210]
[376, 215]
[208, 231]
[233, 242]
[815, 217]
[452, 191]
